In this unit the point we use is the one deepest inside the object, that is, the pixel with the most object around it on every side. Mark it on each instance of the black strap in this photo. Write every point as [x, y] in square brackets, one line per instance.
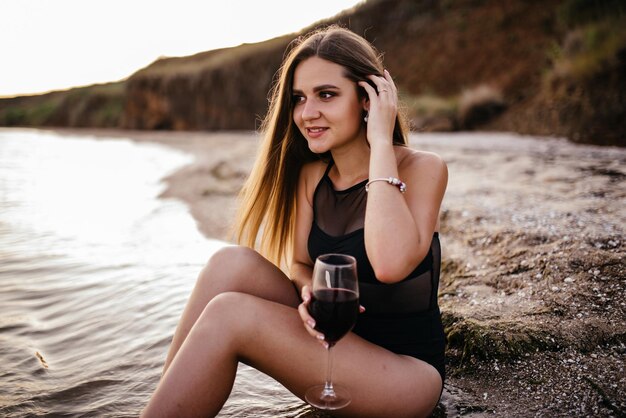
[436, 249]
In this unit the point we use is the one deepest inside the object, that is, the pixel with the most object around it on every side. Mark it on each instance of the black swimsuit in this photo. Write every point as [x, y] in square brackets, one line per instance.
[402, 317]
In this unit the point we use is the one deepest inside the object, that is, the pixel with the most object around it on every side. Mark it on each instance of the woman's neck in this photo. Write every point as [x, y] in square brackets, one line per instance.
[351, 164]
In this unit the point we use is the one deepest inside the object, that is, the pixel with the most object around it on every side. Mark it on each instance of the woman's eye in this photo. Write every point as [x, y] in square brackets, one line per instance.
[326, 94]
[298, 99]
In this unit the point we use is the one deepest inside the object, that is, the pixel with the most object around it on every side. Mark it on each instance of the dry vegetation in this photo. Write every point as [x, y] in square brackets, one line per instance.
[197, 64]
[552, 68]
[100, 105]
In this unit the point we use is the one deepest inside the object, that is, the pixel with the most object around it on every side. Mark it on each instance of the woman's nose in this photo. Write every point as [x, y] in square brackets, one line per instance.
[310, 110]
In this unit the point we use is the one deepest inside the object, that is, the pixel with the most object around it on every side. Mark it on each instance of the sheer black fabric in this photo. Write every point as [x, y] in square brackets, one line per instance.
[339, 216]
[402, 317]
[339, 212]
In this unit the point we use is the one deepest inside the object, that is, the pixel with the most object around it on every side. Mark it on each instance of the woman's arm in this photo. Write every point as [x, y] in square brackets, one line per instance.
[398, 227]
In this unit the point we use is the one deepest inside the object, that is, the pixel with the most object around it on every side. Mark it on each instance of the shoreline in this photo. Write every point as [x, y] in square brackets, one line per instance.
[209, 185]
[533, 273]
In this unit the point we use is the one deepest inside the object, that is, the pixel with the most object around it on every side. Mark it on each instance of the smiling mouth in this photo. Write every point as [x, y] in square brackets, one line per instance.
[315, 130]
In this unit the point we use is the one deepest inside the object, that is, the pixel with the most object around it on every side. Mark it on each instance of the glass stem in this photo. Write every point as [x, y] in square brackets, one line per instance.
[328, 386]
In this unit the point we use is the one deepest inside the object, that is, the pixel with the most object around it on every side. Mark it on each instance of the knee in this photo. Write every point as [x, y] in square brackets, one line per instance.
[225, 313]
[229, 264]
[233, 258]
[221, 307]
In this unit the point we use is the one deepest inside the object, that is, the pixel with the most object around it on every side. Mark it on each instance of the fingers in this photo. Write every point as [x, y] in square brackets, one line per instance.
[309, 322]
[390, 81]
[305, 293]
[384, 84]
[371, 92]
[361, 308]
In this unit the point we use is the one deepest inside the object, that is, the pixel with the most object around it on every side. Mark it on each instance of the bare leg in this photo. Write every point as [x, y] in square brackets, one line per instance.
[270, 337]
[232, 269]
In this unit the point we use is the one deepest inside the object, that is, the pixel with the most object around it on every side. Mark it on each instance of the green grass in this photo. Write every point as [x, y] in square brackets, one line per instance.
[110, 113]
[41, 112]
[32, 113]
[589, 49]
[430, 105]
[13, 116]
[45, 109]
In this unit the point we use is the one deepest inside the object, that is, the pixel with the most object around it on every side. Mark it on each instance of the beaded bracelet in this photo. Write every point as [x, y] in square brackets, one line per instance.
[391, 180]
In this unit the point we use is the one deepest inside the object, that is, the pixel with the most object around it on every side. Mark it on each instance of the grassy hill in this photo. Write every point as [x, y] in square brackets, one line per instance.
[99, 105]
[554, 67]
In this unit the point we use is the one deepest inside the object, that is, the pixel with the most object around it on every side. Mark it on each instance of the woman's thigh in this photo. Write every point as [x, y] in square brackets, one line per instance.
[271, 337]
[232, 269]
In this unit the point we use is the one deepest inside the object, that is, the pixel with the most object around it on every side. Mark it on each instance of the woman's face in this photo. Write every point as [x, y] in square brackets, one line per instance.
[327, 109]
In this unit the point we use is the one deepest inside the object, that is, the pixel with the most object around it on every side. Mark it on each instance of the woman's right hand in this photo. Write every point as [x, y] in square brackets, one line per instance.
[309, 322]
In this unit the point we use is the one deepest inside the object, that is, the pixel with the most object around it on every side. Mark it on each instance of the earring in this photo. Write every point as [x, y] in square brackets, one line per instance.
[366, 117]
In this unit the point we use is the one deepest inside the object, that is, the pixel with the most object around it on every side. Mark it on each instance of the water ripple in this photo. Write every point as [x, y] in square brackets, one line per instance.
[94, 273]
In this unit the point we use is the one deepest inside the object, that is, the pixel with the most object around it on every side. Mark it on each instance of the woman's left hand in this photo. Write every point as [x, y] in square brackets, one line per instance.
[383, 108]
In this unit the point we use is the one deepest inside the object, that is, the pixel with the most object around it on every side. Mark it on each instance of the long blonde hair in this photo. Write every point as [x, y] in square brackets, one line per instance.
[268, 198]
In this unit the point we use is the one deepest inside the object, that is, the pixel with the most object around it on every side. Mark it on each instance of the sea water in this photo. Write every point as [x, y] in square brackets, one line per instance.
[95, 270]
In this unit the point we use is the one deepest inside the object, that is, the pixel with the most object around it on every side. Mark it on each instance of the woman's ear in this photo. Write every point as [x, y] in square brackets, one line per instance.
[365, 102]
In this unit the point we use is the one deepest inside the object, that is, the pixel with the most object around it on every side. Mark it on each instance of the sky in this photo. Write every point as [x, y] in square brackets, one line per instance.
[58, 44]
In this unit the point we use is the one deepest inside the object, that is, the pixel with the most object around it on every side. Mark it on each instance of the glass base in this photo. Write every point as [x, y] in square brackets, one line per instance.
[321, 398]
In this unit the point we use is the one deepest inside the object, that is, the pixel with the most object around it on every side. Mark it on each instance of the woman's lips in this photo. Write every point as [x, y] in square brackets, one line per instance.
[315, 132]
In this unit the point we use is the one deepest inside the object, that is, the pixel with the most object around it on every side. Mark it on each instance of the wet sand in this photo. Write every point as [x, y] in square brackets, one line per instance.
[532, 291]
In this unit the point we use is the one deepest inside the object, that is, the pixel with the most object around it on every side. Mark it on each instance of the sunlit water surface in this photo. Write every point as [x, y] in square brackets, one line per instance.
[95, 270]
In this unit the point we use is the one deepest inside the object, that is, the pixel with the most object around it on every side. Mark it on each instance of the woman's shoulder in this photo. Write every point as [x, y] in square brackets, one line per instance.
[311, 174]
[412, 159]
[423, 169]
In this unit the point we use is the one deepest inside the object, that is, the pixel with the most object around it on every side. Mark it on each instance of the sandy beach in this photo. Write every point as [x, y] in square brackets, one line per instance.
[533, 239]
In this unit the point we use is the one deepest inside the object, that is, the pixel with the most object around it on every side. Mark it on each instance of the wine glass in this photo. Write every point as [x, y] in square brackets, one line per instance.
[334, 306]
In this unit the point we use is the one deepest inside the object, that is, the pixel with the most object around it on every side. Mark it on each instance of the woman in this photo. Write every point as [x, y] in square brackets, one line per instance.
[332, 138]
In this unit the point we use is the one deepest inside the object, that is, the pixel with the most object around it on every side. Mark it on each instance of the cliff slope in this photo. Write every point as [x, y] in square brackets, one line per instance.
[554, 67]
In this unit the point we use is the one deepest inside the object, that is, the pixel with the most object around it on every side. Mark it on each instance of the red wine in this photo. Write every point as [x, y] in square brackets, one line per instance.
[335, 312]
